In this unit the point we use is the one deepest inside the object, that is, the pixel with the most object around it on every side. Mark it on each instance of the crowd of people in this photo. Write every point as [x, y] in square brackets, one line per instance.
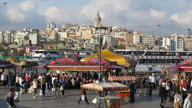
[177, 91]
[45, 83]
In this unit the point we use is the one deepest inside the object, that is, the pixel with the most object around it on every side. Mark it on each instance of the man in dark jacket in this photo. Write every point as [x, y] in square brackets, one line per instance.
[132, 88]
[17, 89]
[56, 85]
[47, 81]
[163, 94]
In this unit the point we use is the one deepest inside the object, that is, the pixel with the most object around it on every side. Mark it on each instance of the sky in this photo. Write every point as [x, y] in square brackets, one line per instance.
[173, 16]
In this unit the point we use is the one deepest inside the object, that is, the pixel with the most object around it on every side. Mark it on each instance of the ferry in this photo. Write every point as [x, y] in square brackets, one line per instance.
[46, 56]
[155, 60]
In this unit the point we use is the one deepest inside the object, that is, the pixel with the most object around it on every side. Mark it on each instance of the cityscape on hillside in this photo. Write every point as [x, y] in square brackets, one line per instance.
[95, 53]
[77, 37]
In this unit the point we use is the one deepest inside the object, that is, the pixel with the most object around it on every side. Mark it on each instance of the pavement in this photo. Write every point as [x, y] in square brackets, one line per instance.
[71, 97]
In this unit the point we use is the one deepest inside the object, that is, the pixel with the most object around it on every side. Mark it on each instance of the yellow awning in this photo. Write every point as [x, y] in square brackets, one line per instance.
[15, 61]
[12, 60]
[106, 54]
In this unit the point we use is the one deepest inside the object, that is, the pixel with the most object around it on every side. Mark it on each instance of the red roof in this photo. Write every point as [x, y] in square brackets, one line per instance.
[76, 67]
[96, 61]
[189, 61]
[175, 67]
[65, 61]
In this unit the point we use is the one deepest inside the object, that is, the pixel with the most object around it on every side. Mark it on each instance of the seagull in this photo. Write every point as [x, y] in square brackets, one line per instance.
[159, 25]
[5, 3]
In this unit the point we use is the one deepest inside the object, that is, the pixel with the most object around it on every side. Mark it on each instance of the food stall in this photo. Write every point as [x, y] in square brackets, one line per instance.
[123, 94]
[107, 88]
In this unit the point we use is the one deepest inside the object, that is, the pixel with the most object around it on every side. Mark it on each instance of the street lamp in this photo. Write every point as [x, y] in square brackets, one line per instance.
[101, 31]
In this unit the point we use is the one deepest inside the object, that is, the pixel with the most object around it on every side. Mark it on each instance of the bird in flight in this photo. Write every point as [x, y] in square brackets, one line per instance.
[159, 25]
[5, 3]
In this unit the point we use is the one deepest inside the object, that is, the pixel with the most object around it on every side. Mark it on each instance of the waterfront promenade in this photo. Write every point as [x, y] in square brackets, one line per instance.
[71, 96]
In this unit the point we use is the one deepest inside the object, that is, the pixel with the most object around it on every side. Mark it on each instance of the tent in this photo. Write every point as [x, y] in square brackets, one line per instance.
[108, 55]
[6, 64]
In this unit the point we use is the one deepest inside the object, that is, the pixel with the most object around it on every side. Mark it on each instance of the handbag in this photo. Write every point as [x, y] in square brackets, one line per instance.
[94, 101]
[41, 92]
[82, 97]
[53, 89]
[61, 88]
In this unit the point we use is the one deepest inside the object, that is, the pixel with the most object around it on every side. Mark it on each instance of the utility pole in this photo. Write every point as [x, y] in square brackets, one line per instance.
[99, 29]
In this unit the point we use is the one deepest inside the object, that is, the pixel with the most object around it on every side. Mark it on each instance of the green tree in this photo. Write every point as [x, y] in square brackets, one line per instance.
[1, 48]
[120, 47]
[110, 49]
[40, 44]
[21, 51]
[3, 43]
[14, 51]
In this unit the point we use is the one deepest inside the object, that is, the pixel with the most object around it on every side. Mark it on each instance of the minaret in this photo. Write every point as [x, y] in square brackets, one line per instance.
[97, 20]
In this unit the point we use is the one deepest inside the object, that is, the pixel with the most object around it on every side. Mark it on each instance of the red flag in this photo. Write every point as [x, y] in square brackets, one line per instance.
[76, 55]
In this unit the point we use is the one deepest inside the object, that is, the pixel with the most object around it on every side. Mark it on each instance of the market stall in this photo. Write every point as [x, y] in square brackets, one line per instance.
[123, 94]
[23, 65]
[106, 88]
[84, 68]
[5, 67]
[112, 57]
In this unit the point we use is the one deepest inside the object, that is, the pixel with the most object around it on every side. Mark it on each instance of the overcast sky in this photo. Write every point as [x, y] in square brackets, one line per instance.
[174, 16]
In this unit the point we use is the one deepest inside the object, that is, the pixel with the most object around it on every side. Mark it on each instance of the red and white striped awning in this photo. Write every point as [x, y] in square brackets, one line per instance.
[121, 78]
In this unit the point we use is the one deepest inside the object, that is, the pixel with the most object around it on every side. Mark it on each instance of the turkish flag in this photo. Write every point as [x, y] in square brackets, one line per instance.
[76, 55]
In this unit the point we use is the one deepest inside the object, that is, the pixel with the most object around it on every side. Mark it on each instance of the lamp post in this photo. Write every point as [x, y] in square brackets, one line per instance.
[99, 29]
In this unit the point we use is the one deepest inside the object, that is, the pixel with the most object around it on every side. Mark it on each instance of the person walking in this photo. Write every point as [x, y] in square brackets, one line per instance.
[153, 81]
[56, 86]
[47, 81]
[132, 88]
[3, 79]
[43, 86]
[62, 87]
[163, 94]
[142, 86]
[17, 89]
[184, 90]
[178, 102]
[21, 81]
[35, 83]
[188, 101]
[83, 95]
[10, 98]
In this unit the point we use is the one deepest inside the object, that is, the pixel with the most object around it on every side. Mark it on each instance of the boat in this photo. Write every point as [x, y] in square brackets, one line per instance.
[155, 60]
[46, 56]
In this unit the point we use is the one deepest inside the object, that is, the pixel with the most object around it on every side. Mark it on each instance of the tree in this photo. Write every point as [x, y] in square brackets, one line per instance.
[40, 44]
[22, 51]
[110, 49]
[3, 43]
[1, 48]
[120, 47]
[14, 51]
